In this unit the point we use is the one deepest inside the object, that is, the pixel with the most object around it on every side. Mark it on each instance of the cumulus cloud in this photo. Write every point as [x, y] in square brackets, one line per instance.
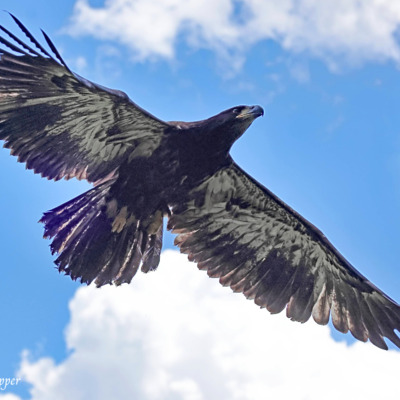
[9, 396]
[176, 334]
[338, 31]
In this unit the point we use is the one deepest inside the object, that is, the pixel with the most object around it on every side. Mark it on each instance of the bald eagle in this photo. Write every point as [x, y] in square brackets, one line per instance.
[144, 169]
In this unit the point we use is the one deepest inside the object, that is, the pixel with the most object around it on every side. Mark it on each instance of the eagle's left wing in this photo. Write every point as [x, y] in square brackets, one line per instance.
[241, 233]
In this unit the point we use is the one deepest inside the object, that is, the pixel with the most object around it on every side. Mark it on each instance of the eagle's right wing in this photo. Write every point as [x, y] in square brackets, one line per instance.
[62, 125]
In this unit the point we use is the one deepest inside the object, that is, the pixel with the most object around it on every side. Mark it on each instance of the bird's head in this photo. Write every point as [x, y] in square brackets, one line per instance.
[219, 132]
[230, 124]
[241, 116]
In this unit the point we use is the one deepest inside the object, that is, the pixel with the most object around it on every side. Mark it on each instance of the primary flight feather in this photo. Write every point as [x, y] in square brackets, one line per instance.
[144, 169]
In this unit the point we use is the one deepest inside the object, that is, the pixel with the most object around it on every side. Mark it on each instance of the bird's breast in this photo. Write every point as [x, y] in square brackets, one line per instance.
[147, 184]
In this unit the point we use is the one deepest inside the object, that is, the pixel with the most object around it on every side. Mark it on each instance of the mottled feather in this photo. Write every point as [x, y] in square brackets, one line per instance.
[241, 233]
[85, 130]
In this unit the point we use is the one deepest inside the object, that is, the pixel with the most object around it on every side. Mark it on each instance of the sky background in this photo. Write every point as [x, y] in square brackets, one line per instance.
[327, 75]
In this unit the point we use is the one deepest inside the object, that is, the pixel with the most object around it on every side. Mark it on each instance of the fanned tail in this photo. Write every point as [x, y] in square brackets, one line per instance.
[91, 247]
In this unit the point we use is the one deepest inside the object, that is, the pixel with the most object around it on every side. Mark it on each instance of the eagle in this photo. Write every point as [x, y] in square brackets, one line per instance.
[145, 170]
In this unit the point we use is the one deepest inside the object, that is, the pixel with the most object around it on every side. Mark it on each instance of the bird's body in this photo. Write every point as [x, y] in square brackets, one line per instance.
[126, 211]
[145, 170]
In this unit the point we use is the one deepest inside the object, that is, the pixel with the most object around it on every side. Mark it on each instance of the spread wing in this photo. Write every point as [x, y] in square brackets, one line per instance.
[62, 125]
[241, 233]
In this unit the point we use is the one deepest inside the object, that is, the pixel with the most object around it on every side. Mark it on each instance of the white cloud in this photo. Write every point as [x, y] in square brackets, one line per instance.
[9, 396]
[81, 64]
[176, 334]
[338, 31]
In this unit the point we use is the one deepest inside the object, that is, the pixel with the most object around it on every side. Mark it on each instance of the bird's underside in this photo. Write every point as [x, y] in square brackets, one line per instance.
[144, 170]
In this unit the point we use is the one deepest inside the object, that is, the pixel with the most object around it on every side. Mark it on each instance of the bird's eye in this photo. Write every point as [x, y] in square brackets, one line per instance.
[236, 111]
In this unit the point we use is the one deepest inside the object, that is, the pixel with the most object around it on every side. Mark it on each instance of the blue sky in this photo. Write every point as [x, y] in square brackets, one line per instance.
[327, 76]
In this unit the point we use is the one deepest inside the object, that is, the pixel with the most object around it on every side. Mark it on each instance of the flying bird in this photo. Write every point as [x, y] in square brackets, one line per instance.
[145, 170]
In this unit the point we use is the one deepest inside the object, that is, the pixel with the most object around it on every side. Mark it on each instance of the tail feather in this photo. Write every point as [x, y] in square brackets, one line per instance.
[90, 249]
[151, 257]
[69, 213]
[119, 261]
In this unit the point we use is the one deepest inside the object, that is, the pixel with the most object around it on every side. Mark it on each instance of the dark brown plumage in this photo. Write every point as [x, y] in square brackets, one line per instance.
[144, 169]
